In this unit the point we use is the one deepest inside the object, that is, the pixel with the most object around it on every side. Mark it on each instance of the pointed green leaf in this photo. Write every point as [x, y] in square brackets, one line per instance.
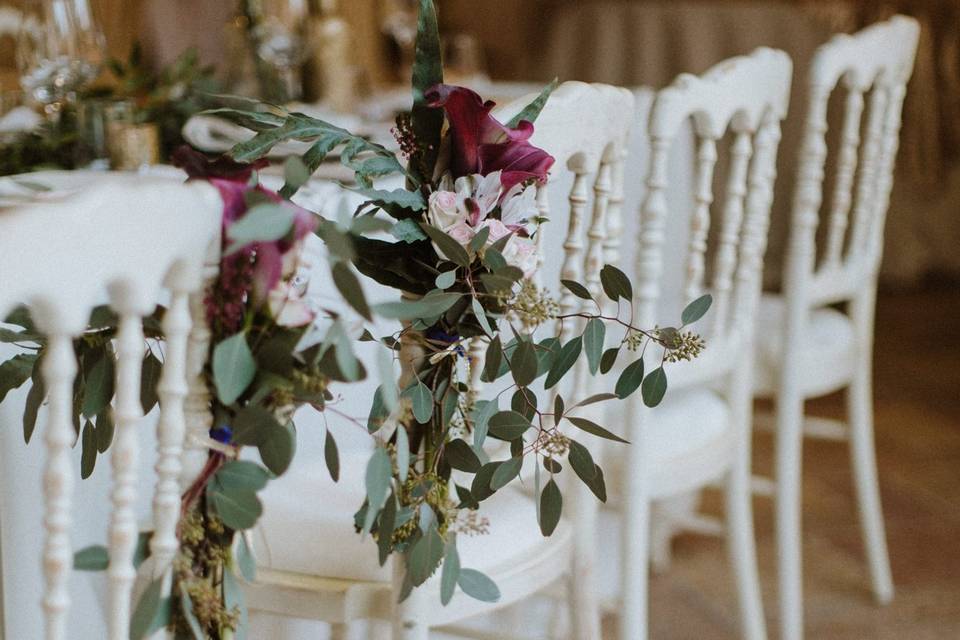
[403, 453]
[491, 363]
[427, 307]
[425, 556]
[104, 430]
[523, 364]
[15, 371]
[608, 359]
[245, 560]
[233, 368]
[459, 455]
[378, 475]
[150, 372]
[577, 289]
[88, 453]
[593, 337]
[446, 279]
[448, 247]
[615, 283]
[587, 470]
[696, 309]
[152, 612]
[349, 287]
[478, 586]
[422, 400]
[565, 359]
[277, 449]
[506, 472]
[532, 110]
[654, 387]
[261, 223]
[94, 558]
[450, 573]
[630, 379]
[331, 456]
[594, 429]
[508, 425]
[551, 504]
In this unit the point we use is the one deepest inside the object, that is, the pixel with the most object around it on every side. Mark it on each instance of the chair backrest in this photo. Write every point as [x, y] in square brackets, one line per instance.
[747, 95]
[128, 240]
[585, 127]
[873, 67]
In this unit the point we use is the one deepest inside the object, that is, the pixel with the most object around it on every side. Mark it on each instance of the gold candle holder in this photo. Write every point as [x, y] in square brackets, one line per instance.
[133, 145]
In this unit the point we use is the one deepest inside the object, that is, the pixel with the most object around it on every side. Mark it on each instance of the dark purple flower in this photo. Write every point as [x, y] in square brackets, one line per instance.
[481, 144]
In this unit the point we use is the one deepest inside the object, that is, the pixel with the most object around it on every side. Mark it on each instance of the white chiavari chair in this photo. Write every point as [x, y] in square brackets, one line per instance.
[312, 565]
[700, 433]
[129, 240]
[806, 348]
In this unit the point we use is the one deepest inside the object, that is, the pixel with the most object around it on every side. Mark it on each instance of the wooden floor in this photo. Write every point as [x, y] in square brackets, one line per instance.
[917, 394]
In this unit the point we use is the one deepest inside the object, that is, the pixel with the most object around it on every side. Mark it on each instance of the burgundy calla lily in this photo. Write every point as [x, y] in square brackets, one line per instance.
[481, 144]
[237, 279]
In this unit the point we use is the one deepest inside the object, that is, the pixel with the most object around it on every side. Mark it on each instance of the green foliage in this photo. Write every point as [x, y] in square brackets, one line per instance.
[477, 585]
[654, 387]
[15, 371]
[696, 309]
[532, 110]
[233, 368]
[551, 504]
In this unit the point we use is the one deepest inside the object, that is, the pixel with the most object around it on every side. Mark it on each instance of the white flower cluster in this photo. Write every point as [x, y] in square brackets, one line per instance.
[462, 208]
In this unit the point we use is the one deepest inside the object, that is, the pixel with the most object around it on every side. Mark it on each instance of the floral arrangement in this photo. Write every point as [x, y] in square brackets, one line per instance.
[462, 251]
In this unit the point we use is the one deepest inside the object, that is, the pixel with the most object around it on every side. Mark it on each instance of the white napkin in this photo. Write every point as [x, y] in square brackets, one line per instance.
[20, 119]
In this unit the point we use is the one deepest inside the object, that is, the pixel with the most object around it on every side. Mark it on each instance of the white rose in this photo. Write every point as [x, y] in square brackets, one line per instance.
[442, 212]
[287, 308]
[521, 253]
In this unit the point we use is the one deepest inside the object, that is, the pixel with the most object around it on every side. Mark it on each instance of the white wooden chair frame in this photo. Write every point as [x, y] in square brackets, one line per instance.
[879, 57]
[125, 238]
[748, 95]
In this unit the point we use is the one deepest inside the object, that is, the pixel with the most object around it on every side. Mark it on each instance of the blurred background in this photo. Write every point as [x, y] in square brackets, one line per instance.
[345, 52]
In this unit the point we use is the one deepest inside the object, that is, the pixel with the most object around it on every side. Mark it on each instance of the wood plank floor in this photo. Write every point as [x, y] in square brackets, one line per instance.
[917, 395]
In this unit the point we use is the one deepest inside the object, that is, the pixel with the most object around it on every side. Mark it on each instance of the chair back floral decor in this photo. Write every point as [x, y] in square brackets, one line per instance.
[459, 245]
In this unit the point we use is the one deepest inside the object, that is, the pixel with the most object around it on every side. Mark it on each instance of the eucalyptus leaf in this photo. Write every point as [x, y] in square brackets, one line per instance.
[261, 223]
[15, 371]
[450, 573]
[233, 368]
[523, 364]
[150, 371]
[577, 289]
[88, 453]
[378, 475]
[295, 173]
[104, 430]
[481, 317]
[594, 429]
[608, 359]
[478, 586]
[696, 309]
[615, 283]
[586, 469]
[331, 456]
[506, 472]
[403, 453]
[459, 455]
[422, 400]
[654, 387]
[277, 449]
[630, 379]
[152, 612]
[349, 287]
[426, 307]
[565, 359]
[425, 556]
[446, 279]
[508, 425]
[491, 364]
[93, 558]
[593, 337]
[447, 246]
[551, 504]
[246, 563]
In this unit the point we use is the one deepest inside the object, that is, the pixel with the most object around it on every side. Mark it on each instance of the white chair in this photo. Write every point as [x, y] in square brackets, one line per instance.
[312, 565]
[700, 433]
[128, 240]
[806, 348]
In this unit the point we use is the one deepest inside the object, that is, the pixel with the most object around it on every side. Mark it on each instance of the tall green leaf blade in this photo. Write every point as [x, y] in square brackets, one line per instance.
[427, 72]
[377, 479]
[532, 110]
[425, 556]
[523, 364]
[506, 472]
[594, 429]
[565, 359]
[615, 283]
[152, 612]
[331, 456]
[349, 287]
[450, 573]
[630, 379]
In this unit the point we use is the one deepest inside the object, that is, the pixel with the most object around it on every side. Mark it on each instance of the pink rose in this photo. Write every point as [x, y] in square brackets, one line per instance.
[498, 230]
[442, 211]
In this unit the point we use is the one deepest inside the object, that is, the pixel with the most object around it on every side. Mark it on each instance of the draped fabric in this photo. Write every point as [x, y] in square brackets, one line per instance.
[636, 42]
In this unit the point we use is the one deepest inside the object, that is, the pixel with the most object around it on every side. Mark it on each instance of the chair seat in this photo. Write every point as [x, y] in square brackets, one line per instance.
[689, 439]
[307, 528]
[827, 349]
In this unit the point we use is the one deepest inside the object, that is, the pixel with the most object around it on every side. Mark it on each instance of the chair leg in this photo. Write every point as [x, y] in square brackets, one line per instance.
[789, 439]
[409, 616]
[743, 553]
[863, 461]
[636, 543]
[584, 604]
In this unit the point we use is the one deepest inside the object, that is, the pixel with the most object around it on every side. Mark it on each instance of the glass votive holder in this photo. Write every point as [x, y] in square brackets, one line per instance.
[94, 118]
